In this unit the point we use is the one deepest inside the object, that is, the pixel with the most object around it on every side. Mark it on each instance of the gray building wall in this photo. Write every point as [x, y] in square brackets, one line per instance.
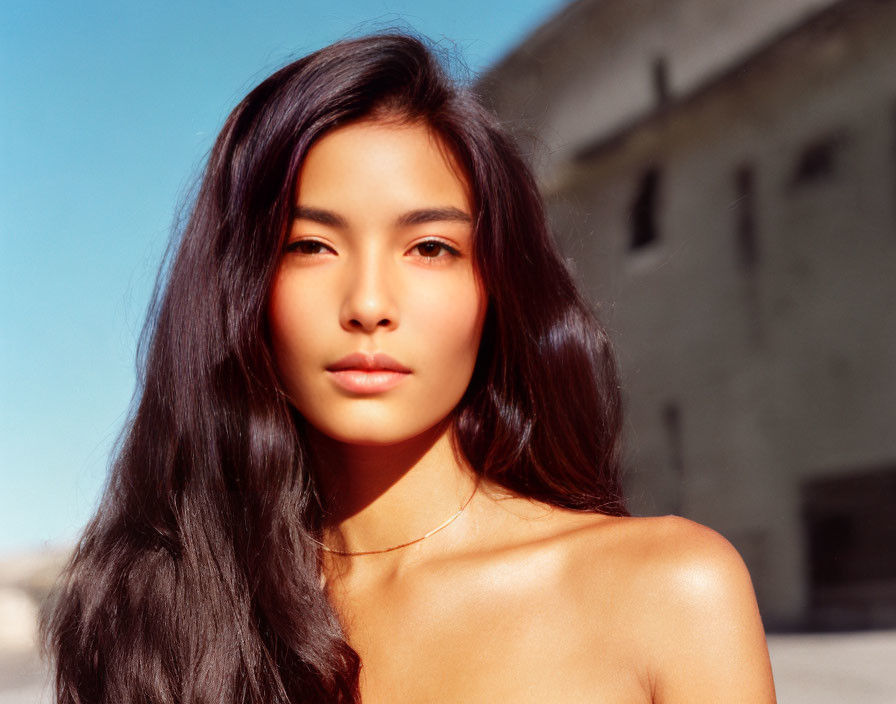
[590, 70]
[756, 334]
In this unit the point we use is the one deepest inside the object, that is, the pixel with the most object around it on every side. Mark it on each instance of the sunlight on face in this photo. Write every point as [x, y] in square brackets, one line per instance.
[378, 261]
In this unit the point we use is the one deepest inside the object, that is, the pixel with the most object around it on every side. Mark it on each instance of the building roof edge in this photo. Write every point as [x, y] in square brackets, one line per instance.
[824, 19]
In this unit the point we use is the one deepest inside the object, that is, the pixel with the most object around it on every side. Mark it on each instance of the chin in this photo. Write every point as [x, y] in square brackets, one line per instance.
[370, 438]
[375, 432]
[364, 432]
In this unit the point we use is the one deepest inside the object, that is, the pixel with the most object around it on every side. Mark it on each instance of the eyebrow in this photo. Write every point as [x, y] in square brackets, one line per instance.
[421, 217]
[321, 217]
[414, 217]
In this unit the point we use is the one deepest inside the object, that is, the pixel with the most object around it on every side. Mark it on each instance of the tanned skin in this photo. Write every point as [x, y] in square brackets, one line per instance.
[515, 600]
[522, 602]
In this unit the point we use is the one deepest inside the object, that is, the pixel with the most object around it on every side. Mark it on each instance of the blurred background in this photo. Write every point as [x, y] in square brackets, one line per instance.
[721, 176]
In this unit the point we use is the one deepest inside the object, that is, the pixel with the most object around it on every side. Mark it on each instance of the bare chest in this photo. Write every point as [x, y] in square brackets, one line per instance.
[486, 642]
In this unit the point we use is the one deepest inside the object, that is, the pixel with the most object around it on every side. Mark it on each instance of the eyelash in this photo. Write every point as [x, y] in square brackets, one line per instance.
[295, 248]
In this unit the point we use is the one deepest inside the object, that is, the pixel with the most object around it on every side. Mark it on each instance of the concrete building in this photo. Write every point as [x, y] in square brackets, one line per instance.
[723, 176]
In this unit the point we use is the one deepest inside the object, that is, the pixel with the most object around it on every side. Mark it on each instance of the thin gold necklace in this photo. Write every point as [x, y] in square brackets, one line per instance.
[435, 530]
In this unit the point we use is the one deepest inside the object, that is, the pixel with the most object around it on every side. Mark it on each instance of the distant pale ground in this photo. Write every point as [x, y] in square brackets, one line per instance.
[851, 668]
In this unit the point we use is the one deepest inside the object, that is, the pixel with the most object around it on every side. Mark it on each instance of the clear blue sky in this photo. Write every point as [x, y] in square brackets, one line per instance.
[107, 110]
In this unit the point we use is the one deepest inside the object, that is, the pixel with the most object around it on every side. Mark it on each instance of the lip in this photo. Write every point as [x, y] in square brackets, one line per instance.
[367, 382]
[367, 373]
[368, 363]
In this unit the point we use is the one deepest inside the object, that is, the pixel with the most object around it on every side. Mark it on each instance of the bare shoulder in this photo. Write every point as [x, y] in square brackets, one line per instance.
[657, 562]
[690, 560]
[686, 601]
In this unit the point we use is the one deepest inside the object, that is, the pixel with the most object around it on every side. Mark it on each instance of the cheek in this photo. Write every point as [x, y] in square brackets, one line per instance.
[291, 315]
[453, 322]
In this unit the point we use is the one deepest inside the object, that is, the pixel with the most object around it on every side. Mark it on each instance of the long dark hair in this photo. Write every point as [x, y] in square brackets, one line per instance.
[197, 580]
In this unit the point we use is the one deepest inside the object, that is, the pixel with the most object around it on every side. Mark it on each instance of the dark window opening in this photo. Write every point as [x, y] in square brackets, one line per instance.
[672, 427]
[817, 161]
[893, 154]
[745, 207]
[851, 541]
[644, 211]
[660, 81]
[747, 247]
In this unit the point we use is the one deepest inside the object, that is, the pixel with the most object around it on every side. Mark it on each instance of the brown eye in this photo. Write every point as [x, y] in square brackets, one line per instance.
[431, 249]
[307, 247]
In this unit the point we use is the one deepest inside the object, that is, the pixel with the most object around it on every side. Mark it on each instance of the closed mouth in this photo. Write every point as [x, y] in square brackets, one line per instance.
[363, 362]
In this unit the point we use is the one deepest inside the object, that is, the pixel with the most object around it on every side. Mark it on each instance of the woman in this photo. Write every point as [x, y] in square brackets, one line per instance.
[375, 452]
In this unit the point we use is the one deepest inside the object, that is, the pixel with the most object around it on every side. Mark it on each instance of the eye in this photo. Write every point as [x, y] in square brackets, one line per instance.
[430, 249]
[307, 247]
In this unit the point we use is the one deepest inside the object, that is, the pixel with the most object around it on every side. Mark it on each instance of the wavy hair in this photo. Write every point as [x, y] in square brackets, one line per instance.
[197, 580]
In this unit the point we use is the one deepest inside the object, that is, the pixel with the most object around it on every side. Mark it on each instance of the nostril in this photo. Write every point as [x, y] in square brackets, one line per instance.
[384, 322]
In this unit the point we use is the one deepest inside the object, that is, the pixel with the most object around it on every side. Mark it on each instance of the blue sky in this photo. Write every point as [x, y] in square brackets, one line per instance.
[107, 110]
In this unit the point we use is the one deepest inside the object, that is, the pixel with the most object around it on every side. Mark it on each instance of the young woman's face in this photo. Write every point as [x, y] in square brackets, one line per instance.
[378, 262]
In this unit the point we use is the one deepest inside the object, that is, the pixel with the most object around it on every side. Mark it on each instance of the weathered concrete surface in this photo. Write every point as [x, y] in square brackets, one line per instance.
[852, 668]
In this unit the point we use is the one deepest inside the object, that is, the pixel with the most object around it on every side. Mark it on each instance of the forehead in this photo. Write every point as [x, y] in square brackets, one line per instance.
[386, 164]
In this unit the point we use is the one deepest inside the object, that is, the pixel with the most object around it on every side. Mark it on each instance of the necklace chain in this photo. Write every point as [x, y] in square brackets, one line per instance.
[402, 545]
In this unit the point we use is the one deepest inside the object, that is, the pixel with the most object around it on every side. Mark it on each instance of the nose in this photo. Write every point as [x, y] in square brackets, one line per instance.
[370, 301]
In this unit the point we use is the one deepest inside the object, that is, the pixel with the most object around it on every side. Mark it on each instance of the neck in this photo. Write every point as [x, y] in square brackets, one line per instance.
[379, 496]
